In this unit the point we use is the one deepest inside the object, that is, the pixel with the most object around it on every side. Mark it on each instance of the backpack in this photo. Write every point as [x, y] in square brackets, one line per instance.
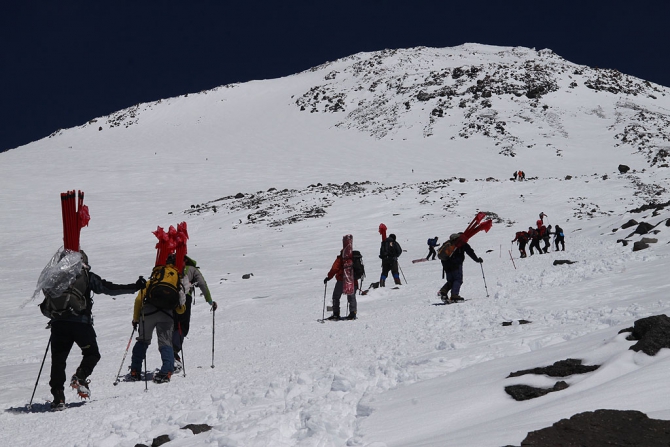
[71, 301]
[163, 288]
[522, 236]
[359, 268]
[446, 250]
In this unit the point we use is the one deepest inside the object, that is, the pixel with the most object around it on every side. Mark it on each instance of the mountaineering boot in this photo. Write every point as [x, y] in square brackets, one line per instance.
[444, 296]
[382, 282]
[162, 377]
[457, 298]
[81, 386]
[334, 316]
[134, 375]
[397, 281]
[351, 316]
[58, 402]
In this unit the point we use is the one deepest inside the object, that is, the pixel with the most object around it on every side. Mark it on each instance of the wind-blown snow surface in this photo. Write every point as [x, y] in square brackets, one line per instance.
[406, 372]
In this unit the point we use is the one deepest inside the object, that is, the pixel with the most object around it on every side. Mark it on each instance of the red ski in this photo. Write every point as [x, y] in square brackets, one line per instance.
[348, 281]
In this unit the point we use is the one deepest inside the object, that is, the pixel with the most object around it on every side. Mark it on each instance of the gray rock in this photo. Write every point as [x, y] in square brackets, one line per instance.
[649, 240]
[623, 169]
[644, 228]
[639, 245]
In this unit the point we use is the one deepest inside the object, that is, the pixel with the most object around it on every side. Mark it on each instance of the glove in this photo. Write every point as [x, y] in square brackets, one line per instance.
[135, 324]
[141, 283]
[480, 260]
[214, 306]
[325, 280]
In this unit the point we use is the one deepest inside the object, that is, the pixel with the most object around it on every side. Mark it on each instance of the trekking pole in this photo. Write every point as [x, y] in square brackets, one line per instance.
[323, 314]
[487, 289]
[116, 382]
[403, 273]
[213, 314]
[183, 362]
[146, 385]
[510, 256]
[30, 405]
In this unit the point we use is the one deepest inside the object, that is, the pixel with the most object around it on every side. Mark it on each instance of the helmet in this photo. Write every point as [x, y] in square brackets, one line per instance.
[392, 236]
[454, 236]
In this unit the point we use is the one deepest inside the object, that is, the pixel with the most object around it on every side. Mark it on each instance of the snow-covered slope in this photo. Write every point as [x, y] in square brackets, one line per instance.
[424, 138]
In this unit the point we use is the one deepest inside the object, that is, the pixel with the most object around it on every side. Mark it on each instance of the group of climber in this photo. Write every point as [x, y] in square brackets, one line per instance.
[539, 234]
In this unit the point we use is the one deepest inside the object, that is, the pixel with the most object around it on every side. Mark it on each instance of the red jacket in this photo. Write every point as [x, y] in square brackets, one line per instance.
[337, 270]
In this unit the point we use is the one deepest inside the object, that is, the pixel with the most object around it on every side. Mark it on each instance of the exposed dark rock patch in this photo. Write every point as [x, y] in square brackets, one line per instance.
[652, 334]
[562, 368]
[510, 323]
[623, 241]
[639, 245]
[623, 169]
[644, 228]
[563, 261]
[600, 428]
[160, 440]
[629, 224]
[197, 428]
[526, 392]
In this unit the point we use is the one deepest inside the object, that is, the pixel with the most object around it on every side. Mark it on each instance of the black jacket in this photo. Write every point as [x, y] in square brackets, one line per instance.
[389, 250]
[97, 285]
[458, 257]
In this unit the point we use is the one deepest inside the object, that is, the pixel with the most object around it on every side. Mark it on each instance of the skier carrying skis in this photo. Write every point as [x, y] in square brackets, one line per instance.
[337, 271]
[191, 279]
[432, 243]
[389, 252]
[453, 268]
[70, 327]
[146, 318]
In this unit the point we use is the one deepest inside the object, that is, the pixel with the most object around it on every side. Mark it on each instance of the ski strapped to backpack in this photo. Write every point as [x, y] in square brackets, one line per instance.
[476, 225]
[64, 280]
[164, 288]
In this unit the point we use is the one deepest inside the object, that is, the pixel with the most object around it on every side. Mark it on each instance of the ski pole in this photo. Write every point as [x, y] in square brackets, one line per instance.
[30, 405]
[487, 289]
[116, 382]
[213, 314]
[181, 337]
[403, 273]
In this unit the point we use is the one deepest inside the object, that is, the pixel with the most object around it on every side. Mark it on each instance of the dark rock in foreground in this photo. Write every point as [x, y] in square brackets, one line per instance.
[563, 261]
[603, 428]
[652, 333]
[526, 392]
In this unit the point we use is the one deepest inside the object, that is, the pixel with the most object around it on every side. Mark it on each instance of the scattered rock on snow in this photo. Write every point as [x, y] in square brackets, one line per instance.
[649, 240]
[639, 245]
[197, 428]
[526, 392]
[247, 275]
[652, 333]
[563, 261]
[601, 428]
[644, 228]
[629, 224]
[561, 368]
[623, 169]
[510, 323]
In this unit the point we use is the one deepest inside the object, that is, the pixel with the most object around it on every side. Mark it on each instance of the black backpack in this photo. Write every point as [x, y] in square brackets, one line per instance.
[71, 302]
[359, 268]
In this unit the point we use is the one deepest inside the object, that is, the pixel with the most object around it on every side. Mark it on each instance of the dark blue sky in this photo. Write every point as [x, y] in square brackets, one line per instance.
[65, 62]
